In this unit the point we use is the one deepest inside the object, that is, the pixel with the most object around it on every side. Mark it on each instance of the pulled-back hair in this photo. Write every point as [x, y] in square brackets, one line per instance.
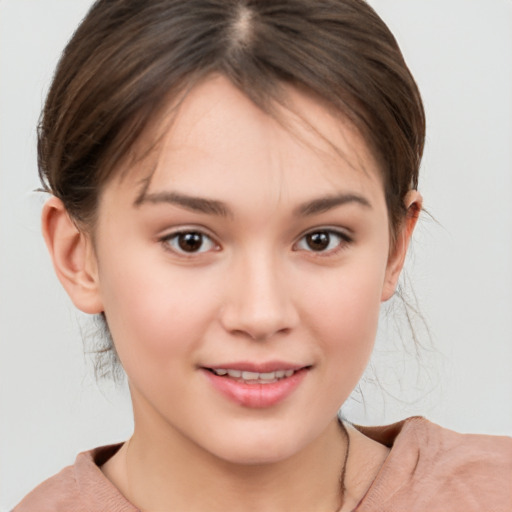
[129, 57]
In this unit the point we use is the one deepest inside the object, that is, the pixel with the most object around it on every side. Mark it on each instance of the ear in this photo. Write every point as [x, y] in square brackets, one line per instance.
[396, 260]
[73, 257]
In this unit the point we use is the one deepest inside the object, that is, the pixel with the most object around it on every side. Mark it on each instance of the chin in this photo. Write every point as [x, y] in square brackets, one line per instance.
[257, 456]
[257, 449]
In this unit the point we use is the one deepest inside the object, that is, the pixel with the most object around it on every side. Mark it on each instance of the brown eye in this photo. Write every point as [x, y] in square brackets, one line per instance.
[189, 242]
[318, 241]
[323, 241]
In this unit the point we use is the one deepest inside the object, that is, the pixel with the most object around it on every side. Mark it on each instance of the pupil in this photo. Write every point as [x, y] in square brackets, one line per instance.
[318, 241]
[190, 242]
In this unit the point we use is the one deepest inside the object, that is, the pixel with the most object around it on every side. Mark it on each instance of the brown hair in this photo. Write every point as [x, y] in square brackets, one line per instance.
[128, 56]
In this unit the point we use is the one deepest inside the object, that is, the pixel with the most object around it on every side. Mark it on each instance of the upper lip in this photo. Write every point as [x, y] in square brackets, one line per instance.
[264, 367]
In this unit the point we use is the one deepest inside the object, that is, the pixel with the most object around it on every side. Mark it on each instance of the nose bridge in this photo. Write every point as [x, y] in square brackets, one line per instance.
[259, 303]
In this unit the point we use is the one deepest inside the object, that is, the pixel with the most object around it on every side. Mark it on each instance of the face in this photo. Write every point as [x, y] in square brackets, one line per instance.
[242, 281]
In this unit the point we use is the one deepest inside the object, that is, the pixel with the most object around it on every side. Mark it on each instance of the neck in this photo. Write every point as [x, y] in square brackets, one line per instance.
[158, 470]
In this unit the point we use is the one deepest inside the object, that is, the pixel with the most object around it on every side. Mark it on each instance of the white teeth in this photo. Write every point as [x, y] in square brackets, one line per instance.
[250, 375]
[254, 377]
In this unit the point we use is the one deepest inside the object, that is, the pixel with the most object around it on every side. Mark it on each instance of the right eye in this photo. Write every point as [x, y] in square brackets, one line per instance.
[189, 242]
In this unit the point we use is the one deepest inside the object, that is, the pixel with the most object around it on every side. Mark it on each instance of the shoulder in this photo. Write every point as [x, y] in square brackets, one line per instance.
[81, 487]
[60, 492]
[478, 460]
[476, 453]
[433, 468]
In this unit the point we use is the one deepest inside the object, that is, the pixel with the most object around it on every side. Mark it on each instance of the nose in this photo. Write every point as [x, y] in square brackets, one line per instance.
[258, 301]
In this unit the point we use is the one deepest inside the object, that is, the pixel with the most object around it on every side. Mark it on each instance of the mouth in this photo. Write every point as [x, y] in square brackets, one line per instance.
[252, 377]
[256, 385]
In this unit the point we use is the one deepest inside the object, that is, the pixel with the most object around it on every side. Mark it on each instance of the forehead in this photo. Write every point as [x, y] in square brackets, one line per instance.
[218, 138]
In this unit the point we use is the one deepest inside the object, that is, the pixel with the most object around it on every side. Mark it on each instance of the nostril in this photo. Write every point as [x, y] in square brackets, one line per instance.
[256, 306]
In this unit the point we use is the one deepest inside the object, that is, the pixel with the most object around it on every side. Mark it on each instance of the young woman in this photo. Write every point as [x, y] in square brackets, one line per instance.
[234, 187]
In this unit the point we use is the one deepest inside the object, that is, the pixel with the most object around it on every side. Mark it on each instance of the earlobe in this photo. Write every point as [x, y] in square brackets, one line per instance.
[72, 256]
[413, 202]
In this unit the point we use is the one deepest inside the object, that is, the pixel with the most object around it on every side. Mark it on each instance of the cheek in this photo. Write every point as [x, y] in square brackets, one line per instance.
[344, 309]
[155, 312]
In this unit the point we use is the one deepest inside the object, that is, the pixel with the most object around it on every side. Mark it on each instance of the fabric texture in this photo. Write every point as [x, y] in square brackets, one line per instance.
[429, 469]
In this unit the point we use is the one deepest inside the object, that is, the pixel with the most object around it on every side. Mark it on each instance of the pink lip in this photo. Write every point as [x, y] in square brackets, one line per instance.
[269, 366]
[256, 396]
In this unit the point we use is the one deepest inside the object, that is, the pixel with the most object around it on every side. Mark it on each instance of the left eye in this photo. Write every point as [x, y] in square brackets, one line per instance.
[190, 242]
[321, 241]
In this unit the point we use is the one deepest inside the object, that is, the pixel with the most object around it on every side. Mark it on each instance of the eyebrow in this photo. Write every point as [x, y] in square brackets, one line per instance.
[327, 203]
[214, 207]
[196, 204]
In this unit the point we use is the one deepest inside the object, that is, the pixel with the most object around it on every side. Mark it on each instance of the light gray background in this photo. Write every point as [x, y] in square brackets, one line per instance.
[461, 54]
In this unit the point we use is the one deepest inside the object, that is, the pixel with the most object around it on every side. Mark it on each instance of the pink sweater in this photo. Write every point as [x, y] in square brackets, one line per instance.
[429, 469]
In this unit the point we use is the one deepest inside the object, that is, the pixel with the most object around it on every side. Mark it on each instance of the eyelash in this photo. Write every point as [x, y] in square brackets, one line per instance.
[172, 240]
[167, 242]
[343, 241]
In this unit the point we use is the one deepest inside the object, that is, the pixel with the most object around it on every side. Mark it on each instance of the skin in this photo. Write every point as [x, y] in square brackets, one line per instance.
[254, 291]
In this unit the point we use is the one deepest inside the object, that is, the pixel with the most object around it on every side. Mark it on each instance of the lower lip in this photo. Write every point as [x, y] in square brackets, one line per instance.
[256, 396]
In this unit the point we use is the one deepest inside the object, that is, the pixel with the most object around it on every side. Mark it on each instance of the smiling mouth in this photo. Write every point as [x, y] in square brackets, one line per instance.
[256, 385]
[249, 377]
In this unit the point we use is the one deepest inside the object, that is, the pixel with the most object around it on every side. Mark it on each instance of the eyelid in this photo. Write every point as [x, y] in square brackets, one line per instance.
[182, 230]
[342, 234]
